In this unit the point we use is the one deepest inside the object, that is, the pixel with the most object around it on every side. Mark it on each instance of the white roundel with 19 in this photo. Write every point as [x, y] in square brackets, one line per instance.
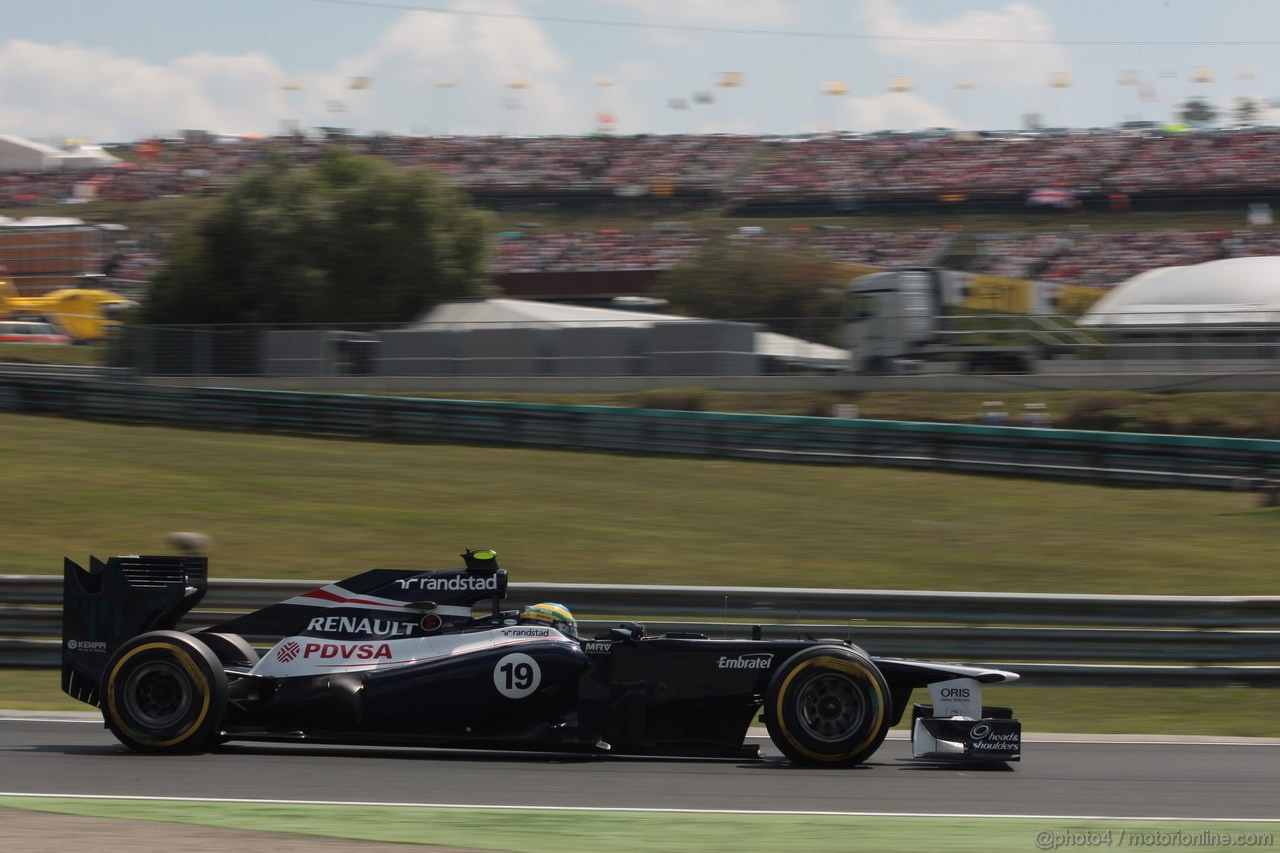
[516, 675]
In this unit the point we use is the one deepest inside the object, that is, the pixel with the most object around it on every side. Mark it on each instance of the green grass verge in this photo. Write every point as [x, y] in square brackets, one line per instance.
[35, 690]
[1189, 711]
[1249, 414]
[285, 507]
[1221, 413]
[39, 354]
[532, 831]
[1229, 711]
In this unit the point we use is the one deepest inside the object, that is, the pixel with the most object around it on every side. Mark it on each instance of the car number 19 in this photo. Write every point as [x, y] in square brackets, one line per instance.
[516, 675]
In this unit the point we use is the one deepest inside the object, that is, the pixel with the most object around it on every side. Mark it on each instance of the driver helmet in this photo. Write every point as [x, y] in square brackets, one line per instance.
[551, 615]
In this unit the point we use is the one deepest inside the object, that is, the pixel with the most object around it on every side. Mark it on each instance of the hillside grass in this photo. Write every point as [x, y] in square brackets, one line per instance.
[291, 507]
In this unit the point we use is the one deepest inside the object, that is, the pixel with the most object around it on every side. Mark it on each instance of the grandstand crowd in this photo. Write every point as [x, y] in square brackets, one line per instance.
[1067, 257]
[675, 173]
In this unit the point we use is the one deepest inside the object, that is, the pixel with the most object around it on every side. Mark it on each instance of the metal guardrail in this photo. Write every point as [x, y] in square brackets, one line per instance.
[1122, 458]
[1050, 639]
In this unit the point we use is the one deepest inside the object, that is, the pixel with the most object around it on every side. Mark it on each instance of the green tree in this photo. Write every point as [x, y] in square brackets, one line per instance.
[1197, 111]
[730, 281]
[351, 240]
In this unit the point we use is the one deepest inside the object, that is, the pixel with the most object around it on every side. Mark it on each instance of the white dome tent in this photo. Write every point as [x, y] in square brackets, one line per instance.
[1232, 291]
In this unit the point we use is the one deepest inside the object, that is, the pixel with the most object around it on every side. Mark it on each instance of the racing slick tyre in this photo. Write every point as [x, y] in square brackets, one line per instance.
[827, 706]
[164, 691]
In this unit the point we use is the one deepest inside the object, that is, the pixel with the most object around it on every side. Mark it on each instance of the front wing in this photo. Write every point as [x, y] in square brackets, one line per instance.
[966, 740]
[958, 727]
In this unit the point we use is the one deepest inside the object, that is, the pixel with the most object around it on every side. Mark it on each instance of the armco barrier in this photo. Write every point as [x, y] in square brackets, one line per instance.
[1051, 639]
[1122, 458]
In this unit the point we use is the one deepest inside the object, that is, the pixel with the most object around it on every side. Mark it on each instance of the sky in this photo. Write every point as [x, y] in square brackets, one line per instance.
[124, 70]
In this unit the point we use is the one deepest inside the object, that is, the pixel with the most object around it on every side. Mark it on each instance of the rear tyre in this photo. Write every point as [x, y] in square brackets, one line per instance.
[164, 691]
[827, 706]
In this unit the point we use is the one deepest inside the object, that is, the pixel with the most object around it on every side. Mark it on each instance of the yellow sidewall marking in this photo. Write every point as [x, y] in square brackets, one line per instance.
[185, 661]
[840, 664]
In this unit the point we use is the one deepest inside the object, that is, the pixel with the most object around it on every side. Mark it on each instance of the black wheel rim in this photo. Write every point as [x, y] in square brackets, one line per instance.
[831, 707]
[157, 695]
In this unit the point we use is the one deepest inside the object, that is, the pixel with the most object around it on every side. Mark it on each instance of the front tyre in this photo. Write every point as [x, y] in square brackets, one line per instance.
[827, 706]
[164, 691]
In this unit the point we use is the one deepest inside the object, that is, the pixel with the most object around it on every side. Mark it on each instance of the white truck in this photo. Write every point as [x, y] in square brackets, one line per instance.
[896, 321]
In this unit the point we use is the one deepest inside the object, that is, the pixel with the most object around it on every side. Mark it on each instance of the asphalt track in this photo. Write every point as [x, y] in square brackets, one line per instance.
[1125, 778]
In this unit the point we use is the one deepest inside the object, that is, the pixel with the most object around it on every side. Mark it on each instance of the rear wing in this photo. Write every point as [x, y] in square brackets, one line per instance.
[113, 602]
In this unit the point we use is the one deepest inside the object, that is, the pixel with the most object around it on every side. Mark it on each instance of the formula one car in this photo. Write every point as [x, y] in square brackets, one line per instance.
[429, 658]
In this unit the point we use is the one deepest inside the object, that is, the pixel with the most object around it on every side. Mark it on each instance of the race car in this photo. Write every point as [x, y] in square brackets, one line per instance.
[430, 658]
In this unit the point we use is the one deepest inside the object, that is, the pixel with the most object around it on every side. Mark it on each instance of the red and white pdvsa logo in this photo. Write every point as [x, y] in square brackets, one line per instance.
[288, 652]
